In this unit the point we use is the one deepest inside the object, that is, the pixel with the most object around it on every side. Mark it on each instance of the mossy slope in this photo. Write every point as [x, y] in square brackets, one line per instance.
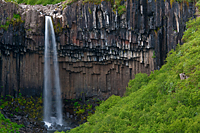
[161, 102]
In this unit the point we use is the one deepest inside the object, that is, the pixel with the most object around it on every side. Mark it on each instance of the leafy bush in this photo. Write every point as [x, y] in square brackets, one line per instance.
[161, 102]
[140, 80]
[6, 126]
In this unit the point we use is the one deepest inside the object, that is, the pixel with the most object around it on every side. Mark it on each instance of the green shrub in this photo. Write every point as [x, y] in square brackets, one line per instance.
[198, 5]
[6, 126]
[140, 80]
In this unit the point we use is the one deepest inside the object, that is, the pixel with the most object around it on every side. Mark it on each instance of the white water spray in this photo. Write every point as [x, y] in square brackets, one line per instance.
[50, 46]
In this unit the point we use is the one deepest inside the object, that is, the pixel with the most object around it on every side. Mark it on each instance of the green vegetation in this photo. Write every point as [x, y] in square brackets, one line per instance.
[161, 102]
[6, 126]
[116, 4]
[198, 6]
[171, 1]
[68, 2]
[154, 54]
[89, 10]
[57, 27]
[23, 106]
[5, 26]
[121, 9]
[82, 109]
[36, 2]
[14, 21]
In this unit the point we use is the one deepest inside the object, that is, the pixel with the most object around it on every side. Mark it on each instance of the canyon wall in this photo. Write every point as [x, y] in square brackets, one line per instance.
[99, 50]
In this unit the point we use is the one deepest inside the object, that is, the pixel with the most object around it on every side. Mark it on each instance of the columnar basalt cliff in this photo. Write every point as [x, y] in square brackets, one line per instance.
[99, 51]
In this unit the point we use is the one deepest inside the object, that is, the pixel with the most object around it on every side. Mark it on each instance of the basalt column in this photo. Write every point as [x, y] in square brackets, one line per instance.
[99, 48]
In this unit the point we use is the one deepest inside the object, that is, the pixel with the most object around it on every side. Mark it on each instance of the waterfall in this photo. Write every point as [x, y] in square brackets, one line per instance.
[51, 83]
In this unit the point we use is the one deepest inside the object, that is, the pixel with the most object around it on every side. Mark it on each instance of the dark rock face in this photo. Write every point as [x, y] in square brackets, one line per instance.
[98, 50]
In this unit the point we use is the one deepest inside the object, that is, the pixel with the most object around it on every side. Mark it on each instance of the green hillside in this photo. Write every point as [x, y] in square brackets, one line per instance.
[161, 102]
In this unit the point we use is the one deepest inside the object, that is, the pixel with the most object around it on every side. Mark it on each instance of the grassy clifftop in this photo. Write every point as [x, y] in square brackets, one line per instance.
[161, 102]
[36, 2]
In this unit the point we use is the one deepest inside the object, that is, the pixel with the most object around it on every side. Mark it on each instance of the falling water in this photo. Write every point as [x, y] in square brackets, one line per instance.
[50, 46]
